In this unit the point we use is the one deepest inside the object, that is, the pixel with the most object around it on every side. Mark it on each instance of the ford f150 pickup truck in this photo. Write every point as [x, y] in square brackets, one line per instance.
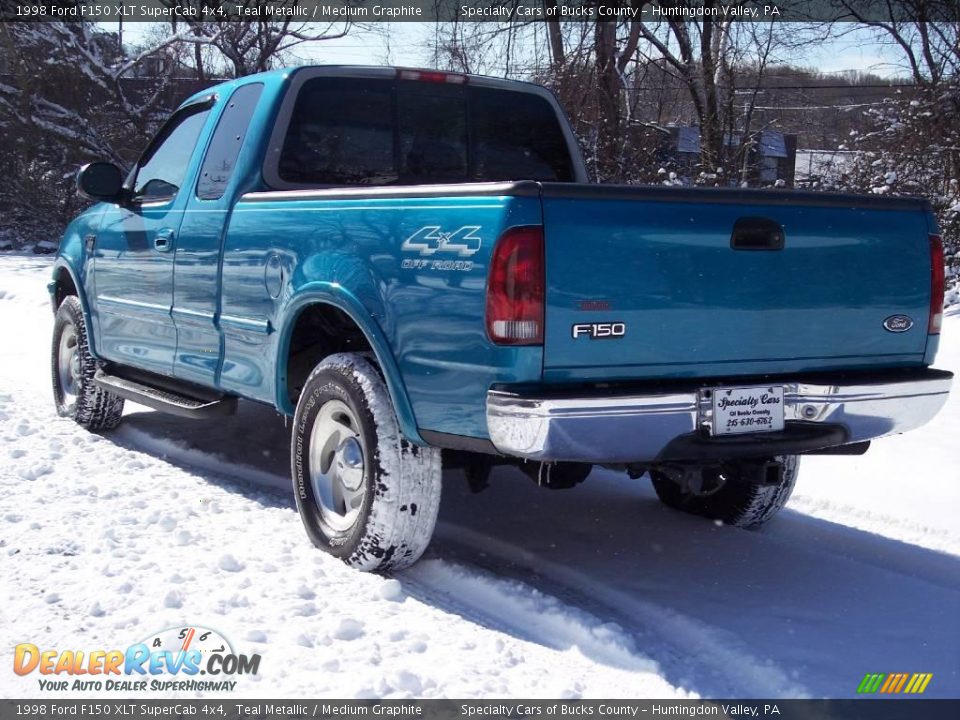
[413, 266]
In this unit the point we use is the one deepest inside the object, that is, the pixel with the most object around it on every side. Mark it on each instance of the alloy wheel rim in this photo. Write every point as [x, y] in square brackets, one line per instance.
[337, 466]
[68, 365]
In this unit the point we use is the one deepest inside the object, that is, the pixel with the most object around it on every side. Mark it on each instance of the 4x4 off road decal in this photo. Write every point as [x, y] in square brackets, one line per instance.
[432, 240]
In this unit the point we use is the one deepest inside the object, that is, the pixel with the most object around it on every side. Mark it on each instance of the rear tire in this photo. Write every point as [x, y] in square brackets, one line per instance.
[738, 502]
[73, 367]
[365, 495]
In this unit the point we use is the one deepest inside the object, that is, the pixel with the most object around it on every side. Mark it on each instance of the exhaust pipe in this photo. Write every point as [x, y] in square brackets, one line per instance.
[556, 476]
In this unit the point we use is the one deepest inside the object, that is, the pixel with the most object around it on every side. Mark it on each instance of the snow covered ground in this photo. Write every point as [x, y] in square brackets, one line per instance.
[594, 592]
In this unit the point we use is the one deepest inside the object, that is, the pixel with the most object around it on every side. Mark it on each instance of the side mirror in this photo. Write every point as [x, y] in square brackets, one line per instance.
[100, 181]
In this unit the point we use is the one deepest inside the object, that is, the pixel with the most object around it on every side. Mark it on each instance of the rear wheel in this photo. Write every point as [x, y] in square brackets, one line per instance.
[73, 367]
[730, 493]
[365, 495]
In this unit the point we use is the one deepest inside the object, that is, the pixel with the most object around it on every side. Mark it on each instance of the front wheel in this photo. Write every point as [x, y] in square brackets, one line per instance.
[365, 495]
[730, 495]
[75, 393]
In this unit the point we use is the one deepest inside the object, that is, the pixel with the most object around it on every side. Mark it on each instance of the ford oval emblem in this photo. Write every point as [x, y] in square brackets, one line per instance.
[898, 323]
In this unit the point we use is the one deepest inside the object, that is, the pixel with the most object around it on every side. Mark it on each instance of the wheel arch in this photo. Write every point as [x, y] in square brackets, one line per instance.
[324, 295]
[65, 279]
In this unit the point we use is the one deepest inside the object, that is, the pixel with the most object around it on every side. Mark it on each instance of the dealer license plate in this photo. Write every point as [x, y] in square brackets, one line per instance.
[747, 409]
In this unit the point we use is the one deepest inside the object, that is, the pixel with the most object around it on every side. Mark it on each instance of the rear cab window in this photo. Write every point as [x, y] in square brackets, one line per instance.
[226, 142]
[372, 131]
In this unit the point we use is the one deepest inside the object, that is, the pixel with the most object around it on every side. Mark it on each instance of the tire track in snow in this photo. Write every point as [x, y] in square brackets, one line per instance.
[527, 612]
[707, 660]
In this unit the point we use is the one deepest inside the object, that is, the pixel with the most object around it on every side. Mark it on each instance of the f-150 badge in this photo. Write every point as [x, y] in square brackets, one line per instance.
[599, 331]
[430, 239]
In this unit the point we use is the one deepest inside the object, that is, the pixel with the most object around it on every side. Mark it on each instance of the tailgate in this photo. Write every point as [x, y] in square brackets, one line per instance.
[647, 283]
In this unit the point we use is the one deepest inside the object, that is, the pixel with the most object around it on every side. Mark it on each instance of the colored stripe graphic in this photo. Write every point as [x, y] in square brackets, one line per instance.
[903, 679]
[894, 683]
[870, 683]
[918, 683]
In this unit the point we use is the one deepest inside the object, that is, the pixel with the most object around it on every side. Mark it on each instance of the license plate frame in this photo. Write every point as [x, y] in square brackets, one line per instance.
[747, 409]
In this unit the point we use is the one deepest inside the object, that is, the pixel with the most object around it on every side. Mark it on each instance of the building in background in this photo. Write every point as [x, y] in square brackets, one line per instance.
[771, 157]
[823, 169]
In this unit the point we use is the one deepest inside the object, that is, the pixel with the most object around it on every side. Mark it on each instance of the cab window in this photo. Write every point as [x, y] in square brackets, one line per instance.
[224, 148]
[360, 131]
[162, 168]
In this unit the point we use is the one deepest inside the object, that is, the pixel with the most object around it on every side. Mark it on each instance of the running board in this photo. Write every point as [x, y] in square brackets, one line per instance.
[168, 400]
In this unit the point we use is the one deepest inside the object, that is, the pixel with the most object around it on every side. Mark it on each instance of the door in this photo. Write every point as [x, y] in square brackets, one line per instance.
[134, 248]
[196, 294]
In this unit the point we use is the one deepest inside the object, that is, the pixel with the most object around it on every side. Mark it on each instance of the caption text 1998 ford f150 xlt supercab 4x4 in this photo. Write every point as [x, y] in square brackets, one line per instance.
[412, 265]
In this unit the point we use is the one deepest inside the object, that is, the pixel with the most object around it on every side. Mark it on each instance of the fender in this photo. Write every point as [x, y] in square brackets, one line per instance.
[62, 263]
[329, 293]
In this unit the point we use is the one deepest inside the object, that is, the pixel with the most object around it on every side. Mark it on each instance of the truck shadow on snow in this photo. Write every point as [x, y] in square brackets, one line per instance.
[804, 607]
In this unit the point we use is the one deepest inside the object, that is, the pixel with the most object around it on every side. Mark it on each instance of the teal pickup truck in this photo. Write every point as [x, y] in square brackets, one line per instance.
[413, 266]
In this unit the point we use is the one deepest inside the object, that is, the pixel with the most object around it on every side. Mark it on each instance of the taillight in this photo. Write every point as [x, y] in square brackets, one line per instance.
[516, 287]
[431, 76]
[936, 285]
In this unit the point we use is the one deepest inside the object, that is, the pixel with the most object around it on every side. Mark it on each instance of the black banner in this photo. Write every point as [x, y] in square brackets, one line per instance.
[519, 11]
[235, 709]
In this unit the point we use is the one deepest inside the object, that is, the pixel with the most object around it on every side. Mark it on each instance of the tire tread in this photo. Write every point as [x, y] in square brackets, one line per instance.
[738, 503]
[96, 409]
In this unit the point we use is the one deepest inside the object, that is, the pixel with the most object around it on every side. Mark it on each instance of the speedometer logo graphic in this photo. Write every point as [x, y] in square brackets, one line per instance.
[177, 640]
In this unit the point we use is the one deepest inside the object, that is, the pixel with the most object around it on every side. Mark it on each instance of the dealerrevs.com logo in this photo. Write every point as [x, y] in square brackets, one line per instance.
[183, 659]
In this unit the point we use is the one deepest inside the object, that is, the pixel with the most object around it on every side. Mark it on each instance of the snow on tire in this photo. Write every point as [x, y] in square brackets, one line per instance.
[365, 494]
[73, 367]
[738, 502]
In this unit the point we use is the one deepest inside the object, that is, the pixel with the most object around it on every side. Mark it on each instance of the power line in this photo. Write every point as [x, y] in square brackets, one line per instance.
[831, 87]
[816, 107]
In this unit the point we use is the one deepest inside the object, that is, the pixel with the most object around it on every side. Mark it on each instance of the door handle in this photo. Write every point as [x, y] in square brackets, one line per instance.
[163, 240]
[757, 233]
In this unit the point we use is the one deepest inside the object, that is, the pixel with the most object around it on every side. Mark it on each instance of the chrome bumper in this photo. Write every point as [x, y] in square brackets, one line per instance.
[639, 427]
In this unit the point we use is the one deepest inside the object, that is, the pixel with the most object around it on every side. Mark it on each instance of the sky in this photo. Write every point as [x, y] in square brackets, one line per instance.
[408, 44]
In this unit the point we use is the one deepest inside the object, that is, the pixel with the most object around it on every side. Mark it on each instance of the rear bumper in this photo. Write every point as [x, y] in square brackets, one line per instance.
[674, 423]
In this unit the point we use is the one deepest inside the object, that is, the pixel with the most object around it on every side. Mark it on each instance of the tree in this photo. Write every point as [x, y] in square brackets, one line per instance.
[722, 64]
[246, 46]
[72, 95]
[64, 102]
[923, 32]
[911, 144]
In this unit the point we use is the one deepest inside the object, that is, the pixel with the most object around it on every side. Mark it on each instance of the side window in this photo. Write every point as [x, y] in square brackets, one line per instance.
[226, 142]
[162, 168]
[340, 133]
